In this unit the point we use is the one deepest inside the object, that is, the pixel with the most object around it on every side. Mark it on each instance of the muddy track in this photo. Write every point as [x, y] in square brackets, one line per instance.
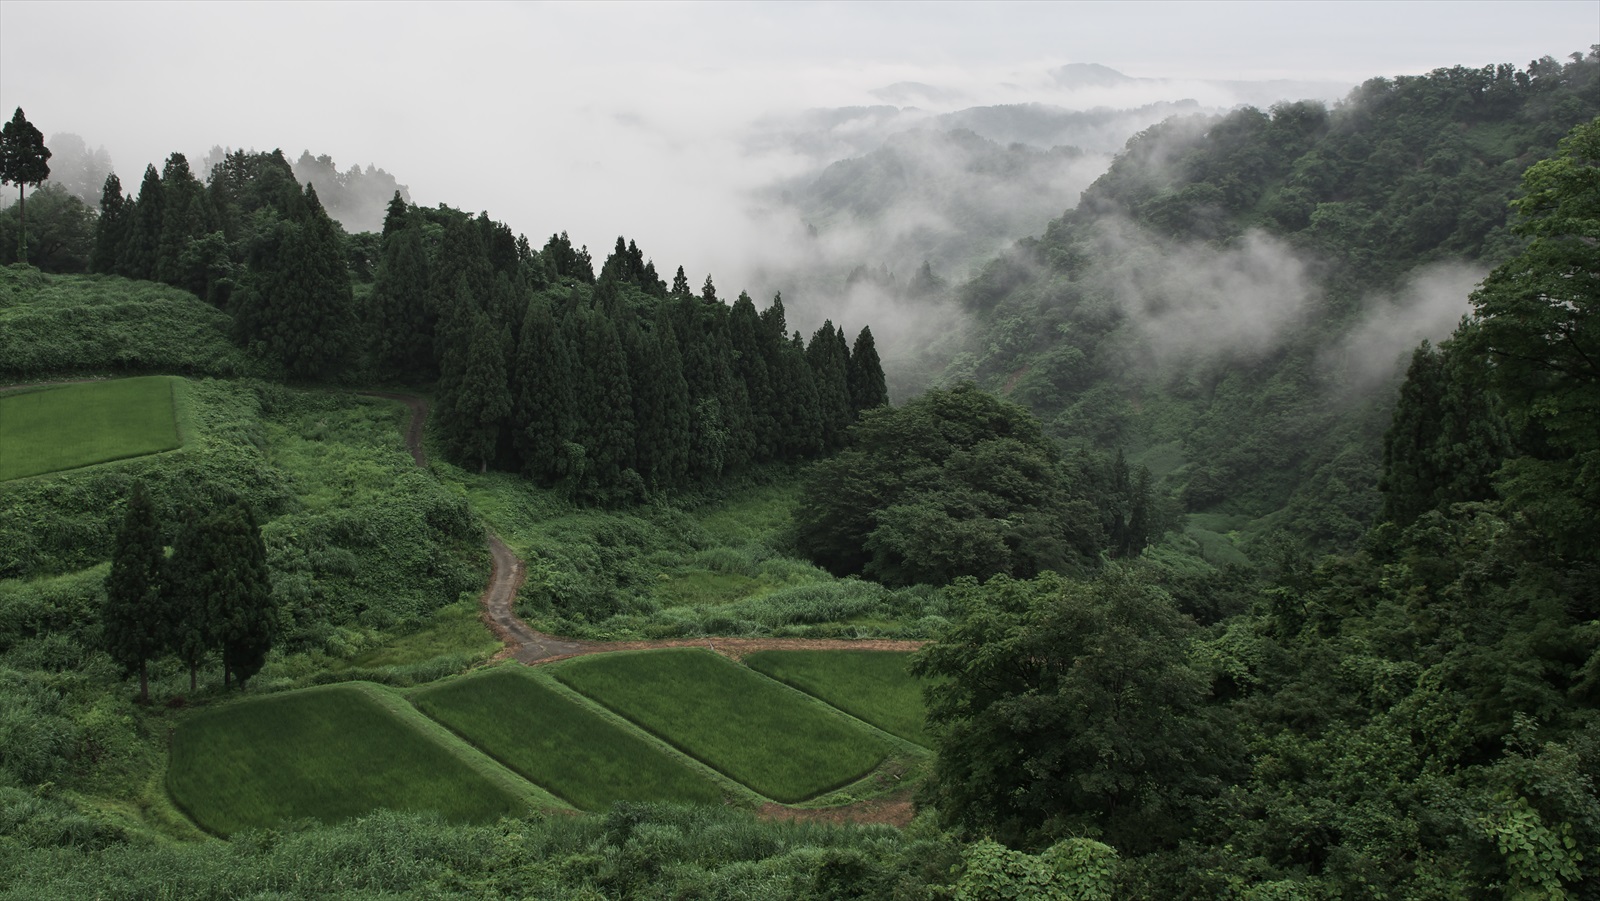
[527, 645]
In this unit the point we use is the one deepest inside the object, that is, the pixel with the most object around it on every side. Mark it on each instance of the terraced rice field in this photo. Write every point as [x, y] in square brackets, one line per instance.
[874, 686]
[560, 744]
[324, 753]
[68, 426]
[776, 741]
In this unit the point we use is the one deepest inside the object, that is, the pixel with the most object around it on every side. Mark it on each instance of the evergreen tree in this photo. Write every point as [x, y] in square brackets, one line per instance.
[865, 379]
[402, 308]
[545, 409]
[142, 250]
[749, 366]
[24, 160]
[801, 423]
[396, 217]
[830, 369]
[187, 581]
[680, 284]
[132, 620]
[297, 306]
[185, 218]
[606, 425]
[111, 229]
[480, 401]
[662, 413]
[240, 595]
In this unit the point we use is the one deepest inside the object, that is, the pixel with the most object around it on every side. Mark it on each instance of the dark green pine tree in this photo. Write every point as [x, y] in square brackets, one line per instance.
[142, 250]
[480, 406]
[397, 217]
[240, 596]
[545, 409]
[462, 282]
[134, 626]
[801, 424]
[1444, 443]
[186, 585]
[111, 229]
[661, 409]
[680, 285]
[830, 368]
[297, 306]
[749, 366]
[402, 308]
[185, 218]
[605, 426]
[24, 160]
[865, 379]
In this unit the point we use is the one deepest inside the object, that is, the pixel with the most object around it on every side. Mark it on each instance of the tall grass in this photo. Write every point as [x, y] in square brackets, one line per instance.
[58, 325]
[744, 725]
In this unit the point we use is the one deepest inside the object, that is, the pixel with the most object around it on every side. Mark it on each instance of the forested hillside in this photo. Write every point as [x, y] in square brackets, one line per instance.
[1233, 587]
[1234, 300]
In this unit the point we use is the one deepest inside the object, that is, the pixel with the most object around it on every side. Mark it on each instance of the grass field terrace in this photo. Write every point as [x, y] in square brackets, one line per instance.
[776, 741]
[67, 426]
[560, 744]
[874, 686]
[326, 754]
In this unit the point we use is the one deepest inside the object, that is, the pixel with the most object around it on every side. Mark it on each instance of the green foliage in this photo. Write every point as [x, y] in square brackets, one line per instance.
[70, 426]
[1062, 706]
[636, 851]
[24, 160]
[1078, 869]
[1538, 316]
[53, 326]
[559, 743]
[60, 235]
[296, 306]
[738, 723]
[326, 754]
[957, 482]
[874, 686]
[1079, 326]
[134, 620]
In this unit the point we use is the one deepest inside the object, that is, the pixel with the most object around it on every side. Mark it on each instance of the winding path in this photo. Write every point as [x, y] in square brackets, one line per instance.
[530, 646]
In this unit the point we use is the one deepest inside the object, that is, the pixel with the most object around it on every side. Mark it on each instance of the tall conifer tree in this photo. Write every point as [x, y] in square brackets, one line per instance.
[133, 621]
[868, 387]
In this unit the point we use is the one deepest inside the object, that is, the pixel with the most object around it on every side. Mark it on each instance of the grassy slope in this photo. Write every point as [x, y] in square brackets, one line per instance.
[70, 426]
[53, 326]
[327, 754]
[870, 685]
[736, 721]
[557, 742]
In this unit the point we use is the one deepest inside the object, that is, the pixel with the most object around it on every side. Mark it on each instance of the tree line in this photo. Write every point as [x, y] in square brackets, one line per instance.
[609, 386]
[211, 594]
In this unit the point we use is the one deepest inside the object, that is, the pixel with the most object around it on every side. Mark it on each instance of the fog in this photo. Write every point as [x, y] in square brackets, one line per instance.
[680, 125]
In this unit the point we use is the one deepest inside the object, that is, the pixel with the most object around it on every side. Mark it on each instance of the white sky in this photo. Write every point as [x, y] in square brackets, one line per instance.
[614, 118]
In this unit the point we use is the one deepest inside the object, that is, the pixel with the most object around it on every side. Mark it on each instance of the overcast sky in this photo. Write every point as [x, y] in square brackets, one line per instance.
[612, 118]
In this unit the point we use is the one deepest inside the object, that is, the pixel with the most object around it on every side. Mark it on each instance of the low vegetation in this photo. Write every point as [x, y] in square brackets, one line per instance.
[326, 754]
[69, 426]
[874, 686]
[559, 743]
[737, 722]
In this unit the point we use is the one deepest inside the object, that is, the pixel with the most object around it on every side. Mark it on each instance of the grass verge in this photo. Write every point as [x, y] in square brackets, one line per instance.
[750, 728]
[558, 743]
